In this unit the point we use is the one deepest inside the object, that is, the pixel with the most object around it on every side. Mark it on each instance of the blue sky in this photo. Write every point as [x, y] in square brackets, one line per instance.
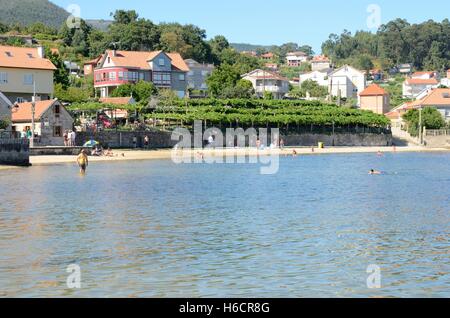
[269, 22]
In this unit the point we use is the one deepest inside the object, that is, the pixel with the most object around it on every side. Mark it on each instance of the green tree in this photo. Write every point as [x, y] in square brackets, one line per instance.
[61, 75]
[431, 119]
[222, 78]
[141, 91]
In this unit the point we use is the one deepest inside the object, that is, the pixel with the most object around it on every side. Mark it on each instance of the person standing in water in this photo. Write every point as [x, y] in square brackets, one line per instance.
[83, 161]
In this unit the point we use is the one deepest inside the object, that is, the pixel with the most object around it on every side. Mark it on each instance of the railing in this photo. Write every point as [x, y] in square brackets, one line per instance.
[437, 132]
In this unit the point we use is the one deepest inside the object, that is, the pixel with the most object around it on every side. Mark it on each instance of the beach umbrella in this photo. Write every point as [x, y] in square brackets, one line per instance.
[91, 143]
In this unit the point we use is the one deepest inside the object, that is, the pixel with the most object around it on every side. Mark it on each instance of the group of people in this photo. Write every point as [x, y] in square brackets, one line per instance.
[69, 138]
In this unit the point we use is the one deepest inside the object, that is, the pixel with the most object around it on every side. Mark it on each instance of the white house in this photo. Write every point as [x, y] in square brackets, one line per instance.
[295, 59]
[413, 87]
[346, 82]
[265, 81]
[446, 81]
[320, 77]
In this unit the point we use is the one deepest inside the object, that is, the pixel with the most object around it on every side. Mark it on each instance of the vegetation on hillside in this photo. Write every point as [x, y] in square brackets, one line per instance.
[425, 45]
[27, 12]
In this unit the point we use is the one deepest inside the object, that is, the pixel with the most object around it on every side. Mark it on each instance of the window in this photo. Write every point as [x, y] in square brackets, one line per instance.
[57, 131]
[182, 77]
[3, 78]
[20, 100]
[162, 79]
[112, 76]
[120, 76]
[8, 54]
[30, 55]
[28, 79]
[162, 62]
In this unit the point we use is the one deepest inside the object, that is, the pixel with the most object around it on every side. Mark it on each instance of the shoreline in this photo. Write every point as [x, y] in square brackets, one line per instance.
[160, 154]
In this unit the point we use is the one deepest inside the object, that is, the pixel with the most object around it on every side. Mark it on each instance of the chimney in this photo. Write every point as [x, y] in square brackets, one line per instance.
[40, 52]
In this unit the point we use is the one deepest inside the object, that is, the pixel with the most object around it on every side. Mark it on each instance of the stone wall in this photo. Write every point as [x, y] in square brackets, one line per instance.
[340, 140]
[57, 151]
[124, 139]
[160, 139]
[14, 152]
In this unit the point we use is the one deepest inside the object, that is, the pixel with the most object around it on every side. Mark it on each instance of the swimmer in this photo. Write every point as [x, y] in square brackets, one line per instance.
[374, 172]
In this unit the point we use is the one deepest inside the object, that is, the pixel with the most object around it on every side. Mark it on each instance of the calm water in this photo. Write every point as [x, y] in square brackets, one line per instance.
[155, 229]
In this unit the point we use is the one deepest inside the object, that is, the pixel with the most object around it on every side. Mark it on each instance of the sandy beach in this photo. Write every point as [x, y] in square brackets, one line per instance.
[130, 155]
[125, 155]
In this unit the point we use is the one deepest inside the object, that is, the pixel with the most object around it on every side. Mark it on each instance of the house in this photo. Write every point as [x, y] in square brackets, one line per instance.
[320, 63]
[5, 108]
[346, 82]
[165, 70]
[405, 68]
[413, 87]
[51, 120]
[267, 56]
[376, 74]
[375, 98]
[295, 59]
[197, 75]
[250, 53]
[20, 68]
[266, 81]
[320, 77]
[271, 66]
[425, 75]
[446, 81]
[438, 98]
[89, 66]
[72, 67]
[117, 114]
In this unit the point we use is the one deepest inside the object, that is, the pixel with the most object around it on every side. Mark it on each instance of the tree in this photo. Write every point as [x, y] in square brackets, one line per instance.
[129, 32]
[222, 78]
[313, 88]
[242, 89]
[61, 75]
[3, 28]
[431, 119]
[218, 44]
[141, 91]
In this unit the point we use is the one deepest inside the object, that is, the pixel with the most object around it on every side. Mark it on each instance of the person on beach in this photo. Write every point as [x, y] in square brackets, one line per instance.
[379, 154]
[72, 138]
[83, 161]
[294, 153]
[66, 138]
[146, 142]
[281, 144]
[374, 172]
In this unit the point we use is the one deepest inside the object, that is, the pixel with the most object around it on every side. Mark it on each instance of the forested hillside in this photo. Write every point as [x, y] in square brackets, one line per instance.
[27, 12]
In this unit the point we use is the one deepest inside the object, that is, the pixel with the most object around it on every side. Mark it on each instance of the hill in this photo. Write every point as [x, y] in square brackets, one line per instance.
[241, 47]
[27, 12]
[101, 25]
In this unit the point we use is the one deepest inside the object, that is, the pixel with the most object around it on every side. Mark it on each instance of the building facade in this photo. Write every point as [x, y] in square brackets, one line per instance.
[265, 81]
[295, 59]
[197, 75]
[413, 87]
[23, 70]
[164, 70]
[375, 99]
[51, 120]
[346, 82]
[320, 77]
[320, 63]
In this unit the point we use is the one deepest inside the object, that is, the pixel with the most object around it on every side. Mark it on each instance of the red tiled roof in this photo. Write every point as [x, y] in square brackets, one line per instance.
[420, 81]
[373, 90]
[22, 113]
[140, 59]
[320, 58]
[23, 57]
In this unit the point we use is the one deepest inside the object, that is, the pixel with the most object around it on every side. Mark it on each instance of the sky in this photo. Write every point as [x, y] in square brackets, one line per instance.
[271, 22]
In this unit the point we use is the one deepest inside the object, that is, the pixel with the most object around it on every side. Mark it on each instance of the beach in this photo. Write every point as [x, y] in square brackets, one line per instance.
[158, 154]
[129, 155]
